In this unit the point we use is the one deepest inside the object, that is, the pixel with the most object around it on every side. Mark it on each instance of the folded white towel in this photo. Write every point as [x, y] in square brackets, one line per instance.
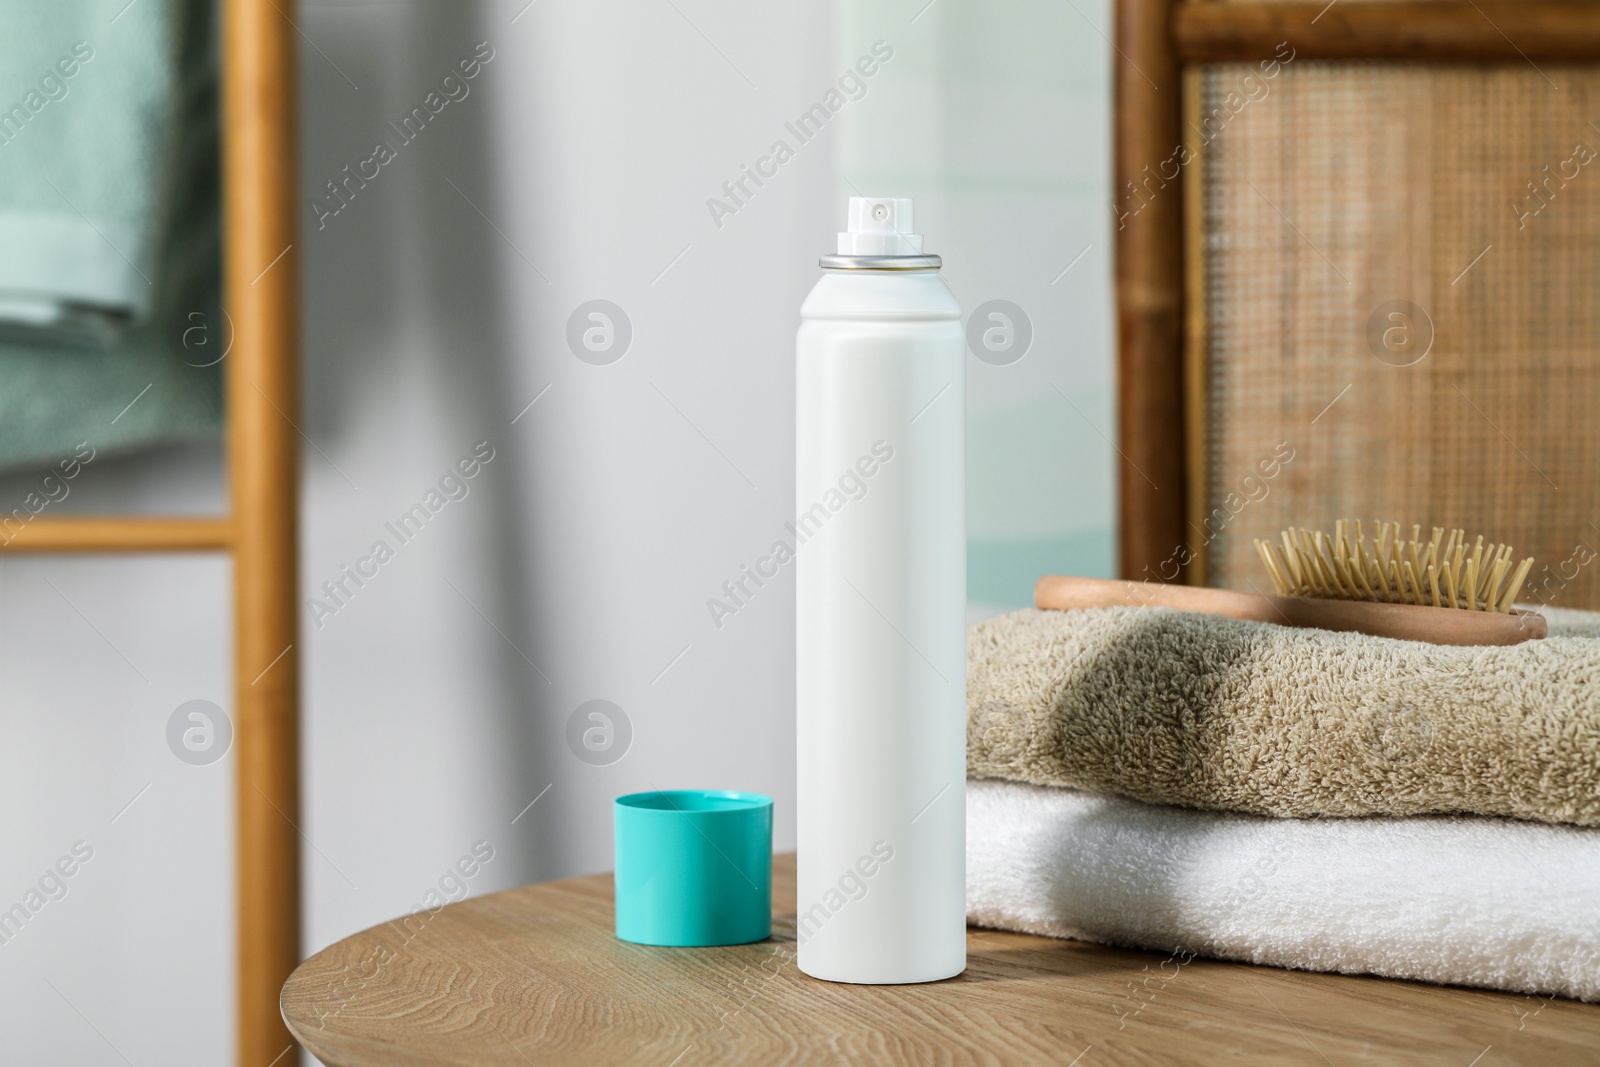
[1461, 900]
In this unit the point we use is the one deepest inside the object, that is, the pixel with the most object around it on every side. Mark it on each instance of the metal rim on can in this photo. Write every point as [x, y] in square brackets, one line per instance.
[837, 262]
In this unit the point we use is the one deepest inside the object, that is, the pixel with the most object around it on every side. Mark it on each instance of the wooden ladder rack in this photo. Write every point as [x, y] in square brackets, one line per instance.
[261, 286]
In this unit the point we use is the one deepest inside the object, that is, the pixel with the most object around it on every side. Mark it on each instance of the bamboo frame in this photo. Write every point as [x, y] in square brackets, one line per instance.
[1414, 30]
[261, 280]
[1196, 418]
[1160, 315]
[1149, 280]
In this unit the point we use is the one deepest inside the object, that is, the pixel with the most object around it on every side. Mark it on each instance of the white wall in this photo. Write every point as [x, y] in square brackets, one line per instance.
[578, 565]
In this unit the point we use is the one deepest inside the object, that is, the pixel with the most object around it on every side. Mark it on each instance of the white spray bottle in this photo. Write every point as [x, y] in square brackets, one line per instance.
[881, 595]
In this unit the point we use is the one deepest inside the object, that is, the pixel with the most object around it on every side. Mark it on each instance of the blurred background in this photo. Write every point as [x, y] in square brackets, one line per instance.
[620, 494]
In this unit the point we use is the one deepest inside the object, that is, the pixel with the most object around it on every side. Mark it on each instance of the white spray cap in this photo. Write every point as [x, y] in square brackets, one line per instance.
[880, 226]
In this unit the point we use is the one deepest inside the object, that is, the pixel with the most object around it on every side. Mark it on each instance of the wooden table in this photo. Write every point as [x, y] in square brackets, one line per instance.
[533, 976]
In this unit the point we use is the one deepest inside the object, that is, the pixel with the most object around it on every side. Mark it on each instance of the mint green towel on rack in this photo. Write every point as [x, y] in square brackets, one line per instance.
[111, 330]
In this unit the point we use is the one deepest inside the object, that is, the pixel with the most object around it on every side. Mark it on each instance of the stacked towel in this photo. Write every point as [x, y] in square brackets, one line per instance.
[1240, 717]
[1212, 712]
[109, 226]
[1467, 901]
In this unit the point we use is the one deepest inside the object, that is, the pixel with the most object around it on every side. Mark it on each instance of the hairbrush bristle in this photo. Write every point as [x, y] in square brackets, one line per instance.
[1441, 571]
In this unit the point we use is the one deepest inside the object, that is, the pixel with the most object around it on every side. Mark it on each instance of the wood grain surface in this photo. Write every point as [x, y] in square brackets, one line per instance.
[533, 976]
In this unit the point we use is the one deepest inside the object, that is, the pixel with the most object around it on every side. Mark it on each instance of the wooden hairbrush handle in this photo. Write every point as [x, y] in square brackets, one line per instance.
[1408, 622]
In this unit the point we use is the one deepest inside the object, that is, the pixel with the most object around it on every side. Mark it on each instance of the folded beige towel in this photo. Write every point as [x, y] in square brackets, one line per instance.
[1212, 712]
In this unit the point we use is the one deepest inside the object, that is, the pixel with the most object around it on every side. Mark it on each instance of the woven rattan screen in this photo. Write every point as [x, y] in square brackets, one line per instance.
[1395, 283]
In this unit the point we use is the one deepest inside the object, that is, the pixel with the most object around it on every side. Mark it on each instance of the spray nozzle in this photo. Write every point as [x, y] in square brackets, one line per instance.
[880, 226]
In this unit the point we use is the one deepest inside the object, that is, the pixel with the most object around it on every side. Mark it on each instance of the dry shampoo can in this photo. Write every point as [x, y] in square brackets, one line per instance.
[881, 582]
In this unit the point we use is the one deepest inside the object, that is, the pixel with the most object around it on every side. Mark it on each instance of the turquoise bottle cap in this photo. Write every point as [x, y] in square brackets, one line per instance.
[693, 867]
